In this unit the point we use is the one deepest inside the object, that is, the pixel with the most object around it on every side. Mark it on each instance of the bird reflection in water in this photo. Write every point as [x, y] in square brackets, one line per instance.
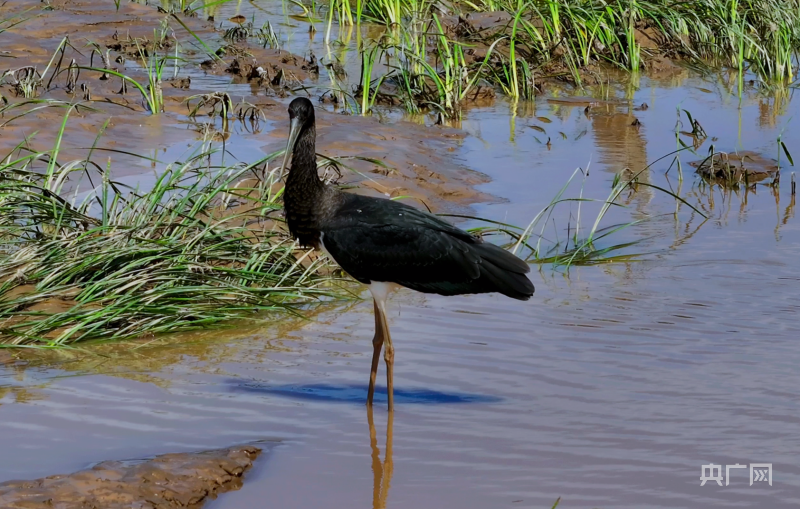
[381, 471]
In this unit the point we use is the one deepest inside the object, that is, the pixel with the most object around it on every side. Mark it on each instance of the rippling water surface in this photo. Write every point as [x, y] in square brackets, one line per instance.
[610, 388]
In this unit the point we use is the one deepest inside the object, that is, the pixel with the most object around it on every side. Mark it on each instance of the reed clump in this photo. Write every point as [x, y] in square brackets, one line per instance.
[439, 49]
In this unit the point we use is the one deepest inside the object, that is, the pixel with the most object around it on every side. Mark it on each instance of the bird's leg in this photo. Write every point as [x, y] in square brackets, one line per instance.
[377, 344]
[388, 356]
[380, 291]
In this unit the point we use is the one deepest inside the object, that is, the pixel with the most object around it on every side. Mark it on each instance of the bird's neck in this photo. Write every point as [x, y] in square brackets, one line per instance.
[303, 178]
[305, 192]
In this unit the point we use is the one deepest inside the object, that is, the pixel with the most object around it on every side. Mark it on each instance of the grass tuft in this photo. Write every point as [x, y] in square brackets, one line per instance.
[201, 246]
[582, 244]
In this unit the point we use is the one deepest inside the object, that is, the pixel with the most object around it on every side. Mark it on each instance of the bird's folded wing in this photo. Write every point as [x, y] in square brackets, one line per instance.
[381, 240]
[405, 254]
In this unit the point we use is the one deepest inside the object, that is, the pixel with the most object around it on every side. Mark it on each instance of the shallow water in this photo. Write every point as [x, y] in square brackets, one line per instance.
[610, 388]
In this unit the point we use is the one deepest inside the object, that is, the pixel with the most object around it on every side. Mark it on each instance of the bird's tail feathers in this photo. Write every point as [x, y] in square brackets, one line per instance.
[505, 271]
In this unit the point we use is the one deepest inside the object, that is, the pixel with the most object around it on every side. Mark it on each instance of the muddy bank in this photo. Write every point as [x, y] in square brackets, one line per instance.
[167, 481]
[408, 159]
[660, 56]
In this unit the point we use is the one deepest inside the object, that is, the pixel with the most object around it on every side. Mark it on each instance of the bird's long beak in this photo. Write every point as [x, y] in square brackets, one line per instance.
[294, 132]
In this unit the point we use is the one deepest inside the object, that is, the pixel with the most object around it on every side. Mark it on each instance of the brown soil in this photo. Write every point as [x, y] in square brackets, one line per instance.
[170, 481]
[271, 68]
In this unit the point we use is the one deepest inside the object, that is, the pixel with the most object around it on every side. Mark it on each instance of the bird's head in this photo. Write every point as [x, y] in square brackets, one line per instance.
[301, 114]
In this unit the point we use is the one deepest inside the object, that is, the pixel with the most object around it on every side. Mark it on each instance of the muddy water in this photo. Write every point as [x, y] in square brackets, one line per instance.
[610, 388]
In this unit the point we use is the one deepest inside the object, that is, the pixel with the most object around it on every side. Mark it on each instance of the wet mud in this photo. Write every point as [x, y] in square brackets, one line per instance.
[169, 481]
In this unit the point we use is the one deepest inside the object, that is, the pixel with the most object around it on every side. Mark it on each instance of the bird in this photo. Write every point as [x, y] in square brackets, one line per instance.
[386, 244]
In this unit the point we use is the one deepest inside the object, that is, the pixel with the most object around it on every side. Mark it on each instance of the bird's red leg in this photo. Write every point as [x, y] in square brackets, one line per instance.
[388, 356]
[377, 344]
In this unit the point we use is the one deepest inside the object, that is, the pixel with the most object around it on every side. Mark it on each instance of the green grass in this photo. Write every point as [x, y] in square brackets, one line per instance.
[438, 84]
[541, 39]
[153, 66]
[267, 36]
[368, 88]
[201, 246]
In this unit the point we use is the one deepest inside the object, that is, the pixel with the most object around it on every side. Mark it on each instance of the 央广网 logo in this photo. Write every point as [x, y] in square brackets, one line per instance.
[759, 472]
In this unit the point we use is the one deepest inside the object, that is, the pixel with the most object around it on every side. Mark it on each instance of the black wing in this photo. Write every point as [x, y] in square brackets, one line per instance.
[375, 239]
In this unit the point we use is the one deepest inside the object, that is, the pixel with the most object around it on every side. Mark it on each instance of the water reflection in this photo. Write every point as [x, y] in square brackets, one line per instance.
[381, 470]
[618, 137]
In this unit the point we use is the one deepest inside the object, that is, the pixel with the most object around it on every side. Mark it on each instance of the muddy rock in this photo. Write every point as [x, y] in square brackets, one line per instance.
[733, 169]
[168, 481]
[138, 47]
[269, 66]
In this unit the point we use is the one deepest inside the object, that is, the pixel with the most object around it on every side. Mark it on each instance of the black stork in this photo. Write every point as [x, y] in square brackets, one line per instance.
[386, 244]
